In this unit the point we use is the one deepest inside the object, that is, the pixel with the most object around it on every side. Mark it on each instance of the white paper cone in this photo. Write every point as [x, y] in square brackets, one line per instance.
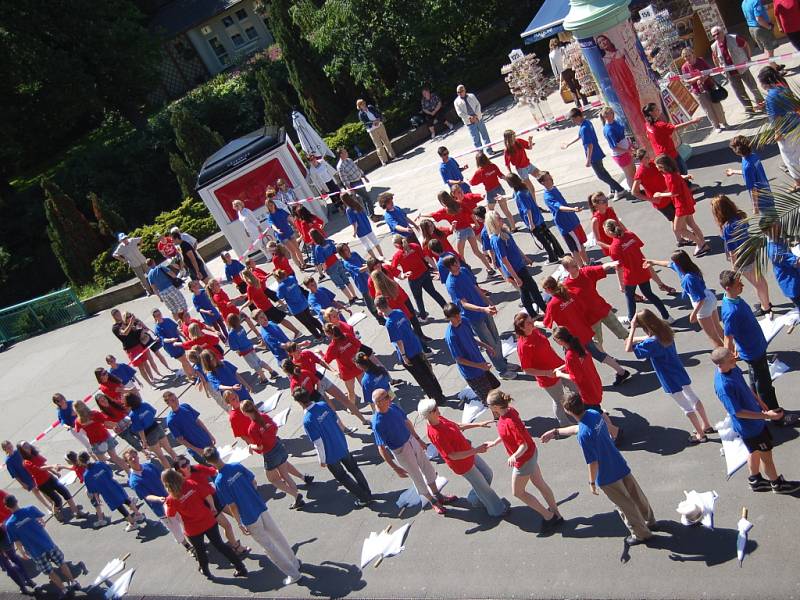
[280, 418]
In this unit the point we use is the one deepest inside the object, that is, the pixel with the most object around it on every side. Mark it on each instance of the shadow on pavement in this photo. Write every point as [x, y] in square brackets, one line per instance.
[640, 435]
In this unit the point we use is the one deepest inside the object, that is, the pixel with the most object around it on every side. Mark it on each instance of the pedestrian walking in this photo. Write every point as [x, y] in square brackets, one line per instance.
[732, 52]
[594, 154]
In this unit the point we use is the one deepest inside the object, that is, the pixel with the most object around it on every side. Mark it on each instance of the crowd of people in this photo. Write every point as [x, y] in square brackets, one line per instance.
[193, 492]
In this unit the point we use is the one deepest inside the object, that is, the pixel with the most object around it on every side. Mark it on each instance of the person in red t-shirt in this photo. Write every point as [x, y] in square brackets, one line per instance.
[568, 310]
[432, 231]
[304, 363]
[787, 14]
[263, 434]
[95, 425]
[626, 249]
[44, 477]
[383, 285]
[192, 502]
[260, 274]
[260, 296]
[202, 340]
[343, 349]
[678, 190]
[489, 174]
[648, 181]
[514, 153]
[579, 368]
[226, 305]
[660, 133]
[462, 457]
[414, 265]
[523, 458]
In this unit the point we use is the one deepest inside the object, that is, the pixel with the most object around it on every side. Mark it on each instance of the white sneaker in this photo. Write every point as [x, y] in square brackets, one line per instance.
[134, 526]
[290, 580]
[139, 518]
[101, 523]
[508, 374]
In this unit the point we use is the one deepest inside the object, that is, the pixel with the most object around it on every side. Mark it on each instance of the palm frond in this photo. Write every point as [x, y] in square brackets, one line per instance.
[766, 134]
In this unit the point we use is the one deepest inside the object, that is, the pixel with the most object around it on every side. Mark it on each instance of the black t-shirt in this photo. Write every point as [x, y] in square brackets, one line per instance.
[131, 339]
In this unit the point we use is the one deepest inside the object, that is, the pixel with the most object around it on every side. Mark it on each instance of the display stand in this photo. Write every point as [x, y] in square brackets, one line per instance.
[527, 82]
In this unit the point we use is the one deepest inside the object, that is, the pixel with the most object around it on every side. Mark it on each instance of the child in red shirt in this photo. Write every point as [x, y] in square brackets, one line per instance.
[684, 224]
[47, 483]
[523, 459]
[415, 266]
[489, 174]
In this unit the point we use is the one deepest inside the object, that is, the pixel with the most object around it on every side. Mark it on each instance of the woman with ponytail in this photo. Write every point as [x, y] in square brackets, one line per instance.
[660, 133]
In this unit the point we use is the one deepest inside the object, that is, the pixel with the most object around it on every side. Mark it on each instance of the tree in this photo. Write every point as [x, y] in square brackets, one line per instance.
[109, 222]
[275, 93]
[186, 178]
[74, 242]
[196, 141]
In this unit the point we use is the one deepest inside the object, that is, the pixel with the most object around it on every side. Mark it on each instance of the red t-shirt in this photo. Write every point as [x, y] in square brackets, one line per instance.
[240, 423]
[390, 271]
[265, 436]
[444, 231]
[223, 302]
[652, 180]
[447, 438]
[463, 218]
[660, 136]
[489, 177]
[602, 236]
[4, 512]
[304, 228]
[583, 372]
[192, 507]
[202, 476]
[787, 13]
[517, 157]
[184, 325]
[95, 429]
[205, 342]
[307, 379]
[257, 296]
[513, 432]
[260, 274]
[584, 286]
[627, 249]
[112, 389]
[114, 412]
[343, 350]
[682, 197]
[411, 262]
[35, 470]
[535, 352]
[282, 263]
[570, 313]
[307, 360]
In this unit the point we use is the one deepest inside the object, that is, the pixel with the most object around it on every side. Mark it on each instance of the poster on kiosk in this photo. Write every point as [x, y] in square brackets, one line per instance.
[242, 170]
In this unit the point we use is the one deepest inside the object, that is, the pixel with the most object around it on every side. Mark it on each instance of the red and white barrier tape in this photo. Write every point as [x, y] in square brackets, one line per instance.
[746, 65]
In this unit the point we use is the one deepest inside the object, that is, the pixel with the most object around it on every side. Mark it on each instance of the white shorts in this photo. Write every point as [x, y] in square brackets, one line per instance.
[369, 241]
[709, 305]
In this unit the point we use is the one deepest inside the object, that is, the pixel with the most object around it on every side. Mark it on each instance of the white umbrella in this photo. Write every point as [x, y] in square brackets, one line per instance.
[744, 527]
[121, 586]
[310, 140]
[113, 567]
[383, 544]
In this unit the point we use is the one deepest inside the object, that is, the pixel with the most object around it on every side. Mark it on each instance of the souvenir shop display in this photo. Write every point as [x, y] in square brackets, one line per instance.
[661, 41]
[529, 85]
[573, 57]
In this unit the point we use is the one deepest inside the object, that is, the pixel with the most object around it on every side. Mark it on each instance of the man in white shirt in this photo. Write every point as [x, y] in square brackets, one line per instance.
[727, 50]
[127, 252]
[190, 239]
[322, 177]
[565, 74]
[469, 110]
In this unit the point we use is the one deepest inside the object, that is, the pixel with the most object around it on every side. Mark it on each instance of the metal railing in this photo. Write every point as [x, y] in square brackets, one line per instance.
[40, 314]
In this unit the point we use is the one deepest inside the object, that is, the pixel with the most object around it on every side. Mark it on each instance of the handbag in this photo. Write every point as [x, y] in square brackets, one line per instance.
[717, 93]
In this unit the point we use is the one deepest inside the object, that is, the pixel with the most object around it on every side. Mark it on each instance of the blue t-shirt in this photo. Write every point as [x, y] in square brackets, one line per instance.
[158, 278]
[507, 249]
[389, 428]
[780, 107]
[739, 322]
[168, 329]
[182, 423]
[353, 267]
[238, 340]
[232, 269]
[597, 446]
[17, 470]
[124, 372]
[734, 234]
[565, 221]
[753, 9]
[395, 217]
[784, 263]
[486, 243]
[692, 284]
[755, 178]
[736, 395]
[461, 343]
[372, 381]
[525, 203]
[360, 219]
[274, 338]
[289, 291]
[666, 363]
[279, 220]
[148, 483]
[450, 170]
[321, 299]
[588, 136]
[444, 272]
[464, 287]
[66, 416]
[400, 330]
[201, 301]
[142, 417]
[225, 374]
[319, 421]
[23, 526]
[234, 484]
[99, 479]
[322, 252]
[614, 133]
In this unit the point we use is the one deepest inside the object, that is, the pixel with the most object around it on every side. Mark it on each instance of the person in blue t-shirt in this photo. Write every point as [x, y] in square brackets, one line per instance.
[565, 218]
[780, 105]
[320, 298]
[186, 426]
[15, 468]
[272, 335]
[409, 349]
[479, 216]
[594, 154]
[208, 312]
[356, 267]
[786, 268]
[748, 417]
[761, 28]
[531, 215]
[292, 294]
[169, 333]
[755, 178]
[396, 219]
[375, 377]
[150, 431]
[607, 468]
[237, 489]
[703, 299]
[224, 376]
[122, 371]
[322, 428]
[26, 527]
[233, 272]
[362, 226]
[466, 352]
[742, 330]
[659, 346]
[100, 483]
[450, 170]
[67, 417]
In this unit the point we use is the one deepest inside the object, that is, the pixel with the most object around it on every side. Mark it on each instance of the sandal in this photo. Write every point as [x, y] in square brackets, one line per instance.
[709, 430]
[640, 298]
[240, 549]
[693, 441]
[703, 249]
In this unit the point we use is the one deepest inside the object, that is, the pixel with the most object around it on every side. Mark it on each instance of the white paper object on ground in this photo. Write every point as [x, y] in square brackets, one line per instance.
[113, 567]
[472, 410]
[280, 418]
[68, 478]
[431, 452]
[234, 454]
[733, 448]
[744, 526]
[509, 346]
[356, 318]
[698, 508]
[383, 544]
[270, 403]
[772, 326]
[411, 496]
[121, 586]
[777, 368]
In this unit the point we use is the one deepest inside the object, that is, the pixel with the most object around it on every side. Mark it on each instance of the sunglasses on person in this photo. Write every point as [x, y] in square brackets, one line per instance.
[181, 464]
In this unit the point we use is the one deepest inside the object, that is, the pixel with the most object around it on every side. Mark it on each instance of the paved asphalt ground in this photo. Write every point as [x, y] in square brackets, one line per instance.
[466, 554]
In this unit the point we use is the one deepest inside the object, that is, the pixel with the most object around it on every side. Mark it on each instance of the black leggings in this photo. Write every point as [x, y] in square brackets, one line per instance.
[199, 544]
[647, 292]
[357, 484]
[415, 324]
[529, 293]
[548, 242]
[424, 283]
[761, 381]
[310, 322]
[55, 490]
[422, 373]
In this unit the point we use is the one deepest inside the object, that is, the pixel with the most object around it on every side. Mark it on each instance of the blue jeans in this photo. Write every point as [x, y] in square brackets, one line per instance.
[479, 478]
[486, 330]
[605, 176]
[476, 130]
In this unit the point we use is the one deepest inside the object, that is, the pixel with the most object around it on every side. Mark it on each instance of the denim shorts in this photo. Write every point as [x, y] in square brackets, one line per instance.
[107, 444]
[338, 275]
[525, 172]
[494, 193]
[529, 467]
[275, 457]
[465, 234]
